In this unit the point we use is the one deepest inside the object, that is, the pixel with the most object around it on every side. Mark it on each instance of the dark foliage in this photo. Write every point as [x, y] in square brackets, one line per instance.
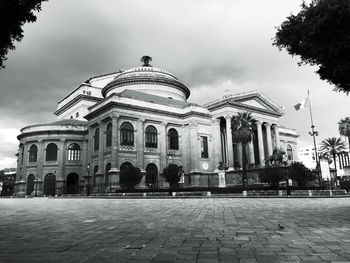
[172, 175]
[130, 176]
[272, 176]
[276, 158]
[320, 35]
[302, 175]
[13, 15]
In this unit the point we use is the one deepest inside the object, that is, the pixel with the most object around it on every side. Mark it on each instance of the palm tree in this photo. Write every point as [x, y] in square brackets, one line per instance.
[333, 146]
[344, 128]
[242, 132]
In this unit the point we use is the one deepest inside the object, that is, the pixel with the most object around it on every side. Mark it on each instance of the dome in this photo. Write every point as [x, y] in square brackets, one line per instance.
[149, 80]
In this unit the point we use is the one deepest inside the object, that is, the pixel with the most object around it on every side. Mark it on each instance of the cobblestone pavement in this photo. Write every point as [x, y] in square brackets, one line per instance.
[175, 230]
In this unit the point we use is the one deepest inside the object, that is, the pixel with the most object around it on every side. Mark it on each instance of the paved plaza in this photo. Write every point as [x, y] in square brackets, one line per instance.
[200, 230]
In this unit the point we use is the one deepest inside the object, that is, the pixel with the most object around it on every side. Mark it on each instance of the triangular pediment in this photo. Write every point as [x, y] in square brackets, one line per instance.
[255, 103]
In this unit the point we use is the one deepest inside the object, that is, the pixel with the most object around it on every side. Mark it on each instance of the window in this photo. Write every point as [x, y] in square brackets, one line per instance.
[33, 153]
[73, 152]
[151, 137]
[173, 139]
[290, 153]
[127, 134]
[51, 152]
[109, 135]
[204, 147]
[97, 139]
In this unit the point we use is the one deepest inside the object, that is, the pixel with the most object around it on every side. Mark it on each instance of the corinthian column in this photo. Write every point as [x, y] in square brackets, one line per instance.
[114, 148]
[251, 152]
[277, 136]
[230, 158]
[268, 138]
[216, 142]
[260, 144]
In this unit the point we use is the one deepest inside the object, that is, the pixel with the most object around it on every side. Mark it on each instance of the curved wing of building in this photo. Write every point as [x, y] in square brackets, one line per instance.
[141, 117]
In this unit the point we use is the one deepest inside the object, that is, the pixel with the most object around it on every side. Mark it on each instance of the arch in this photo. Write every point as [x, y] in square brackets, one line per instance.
[97, 139]
[30, 184]
[51, 152]
[72, 183]
[108, 167]
[109, 135]
[33, 153]
[127, 134]
[290, 152]
[151, 137]
[125, 165]
[73, 152]
[50, 184]
[173, 137]
[151, 175]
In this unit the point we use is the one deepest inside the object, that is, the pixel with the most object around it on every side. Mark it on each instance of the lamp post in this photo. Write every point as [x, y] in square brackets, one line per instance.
[36, 186]
[88, 180]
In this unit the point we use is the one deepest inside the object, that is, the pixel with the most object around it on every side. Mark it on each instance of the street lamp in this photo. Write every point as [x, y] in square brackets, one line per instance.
[285, 162]
[314, 133]
[88, 180]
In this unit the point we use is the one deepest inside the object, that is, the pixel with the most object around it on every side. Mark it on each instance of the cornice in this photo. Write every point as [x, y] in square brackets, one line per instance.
[51, 132]
[146, 80]
[74, 101]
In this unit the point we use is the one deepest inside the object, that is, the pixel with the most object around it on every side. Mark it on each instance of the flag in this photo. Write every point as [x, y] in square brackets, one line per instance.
[303, 104]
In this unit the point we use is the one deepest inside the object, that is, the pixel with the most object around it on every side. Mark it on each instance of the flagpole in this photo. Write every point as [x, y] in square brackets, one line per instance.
[314, 133]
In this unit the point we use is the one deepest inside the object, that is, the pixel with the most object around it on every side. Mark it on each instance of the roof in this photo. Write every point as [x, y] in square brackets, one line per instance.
[137, 95]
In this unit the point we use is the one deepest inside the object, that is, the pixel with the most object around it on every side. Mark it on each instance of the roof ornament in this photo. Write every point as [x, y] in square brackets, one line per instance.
[145, 60]
[227, 94]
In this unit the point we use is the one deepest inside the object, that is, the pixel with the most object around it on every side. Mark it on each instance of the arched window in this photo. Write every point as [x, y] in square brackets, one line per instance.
[51, 152]
[109, 135]
[97, 139]
[290, 152]
[33, 153]
[151, 137]
[127, 134]
[73, 152]
[173, 139]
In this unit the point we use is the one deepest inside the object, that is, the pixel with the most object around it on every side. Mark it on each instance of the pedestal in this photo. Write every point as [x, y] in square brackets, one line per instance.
[20, 188]
[222, 180]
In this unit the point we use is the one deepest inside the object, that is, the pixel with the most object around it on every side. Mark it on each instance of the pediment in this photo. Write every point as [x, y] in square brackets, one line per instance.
[255, 103]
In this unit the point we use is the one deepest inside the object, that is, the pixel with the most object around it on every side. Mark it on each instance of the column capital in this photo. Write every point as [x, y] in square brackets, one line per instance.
[267, 124]
[228, 117]
[258, 122]
[141, 120]
[114, 115]
[215, 120]
[275, 125]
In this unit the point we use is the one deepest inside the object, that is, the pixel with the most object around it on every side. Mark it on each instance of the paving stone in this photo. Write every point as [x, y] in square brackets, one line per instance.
[175, 230]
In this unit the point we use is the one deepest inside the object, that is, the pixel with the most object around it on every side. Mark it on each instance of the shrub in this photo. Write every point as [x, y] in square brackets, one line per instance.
[272, 176]
[172, 175]
[299, 173]
[130, 176]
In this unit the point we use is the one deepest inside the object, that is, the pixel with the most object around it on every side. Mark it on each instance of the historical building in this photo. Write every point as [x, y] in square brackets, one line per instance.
[141, 117]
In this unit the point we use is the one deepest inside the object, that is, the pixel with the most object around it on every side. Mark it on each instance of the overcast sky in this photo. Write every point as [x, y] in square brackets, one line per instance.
[211, 46]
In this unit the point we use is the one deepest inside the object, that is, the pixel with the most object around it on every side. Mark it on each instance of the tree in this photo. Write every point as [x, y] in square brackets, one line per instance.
[130, 176]
[172, 174]
[320, 35]
[14, 14]
[333, 146]
[276, 158]
[344, 128]
[301, 174]
[273, 173]
[242, 132]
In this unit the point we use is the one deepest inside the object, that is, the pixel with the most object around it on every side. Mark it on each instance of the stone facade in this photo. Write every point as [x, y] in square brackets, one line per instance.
[141, 116]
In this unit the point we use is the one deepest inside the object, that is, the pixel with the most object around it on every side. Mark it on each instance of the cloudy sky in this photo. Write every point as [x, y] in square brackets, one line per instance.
[212, 46]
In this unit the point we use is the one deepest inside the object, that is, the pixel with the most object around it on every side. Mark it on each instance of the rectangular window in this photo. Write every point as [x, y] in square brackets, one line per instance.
[204, 147]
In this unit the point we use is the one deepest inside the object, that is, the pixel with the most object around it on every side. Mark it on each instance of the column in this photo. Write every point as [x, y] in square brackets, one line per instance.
[268, 138]
[216, 143]
[84, 162]
[251, 152]
[260, 144]
[277, 135]
[40, 158]
[99, 175]
[140, 150]
[163, 151]
[230, 158]
[114, 148]
[194, 146]
[60, 177]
